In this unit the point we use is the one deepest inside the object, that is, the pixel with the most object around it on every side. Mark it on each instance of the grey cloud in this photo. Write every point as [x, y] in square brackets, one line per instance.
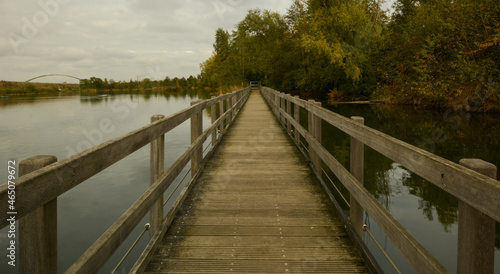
[121, 41]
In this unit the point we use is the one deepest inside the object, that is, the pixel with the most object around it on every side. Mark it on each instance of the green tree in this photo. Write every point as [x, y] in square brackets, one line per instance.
[111, 85]
[96, 83]
[131, 85]
[437, 51]
[191, 81]
[344, 33]
[209, 72]
[167, 82]
[85, 84]
[221, 45]
[147, 84]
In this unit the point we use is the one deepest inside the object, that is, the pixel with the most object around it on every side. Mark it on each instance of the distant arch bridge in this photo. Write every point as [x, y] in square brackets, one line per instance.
[48, 75]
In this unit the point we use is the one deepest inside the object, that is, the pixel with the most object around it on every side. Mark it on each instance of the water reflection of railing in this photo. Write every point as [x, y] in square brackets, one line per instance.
[44, 179]
[477, 191]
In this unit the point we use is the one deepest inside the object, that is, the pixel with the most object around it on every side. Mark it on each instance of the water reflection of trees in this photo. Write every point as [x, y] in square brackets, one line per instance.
[460, 140]
[390, 179]
[433, 200]
[474, 135]
[93, 100]
[192, 93]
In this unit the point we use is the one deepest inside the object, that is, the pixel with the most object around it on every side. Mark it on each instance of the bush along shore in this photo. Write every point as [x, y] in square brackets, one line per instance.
[12, 89]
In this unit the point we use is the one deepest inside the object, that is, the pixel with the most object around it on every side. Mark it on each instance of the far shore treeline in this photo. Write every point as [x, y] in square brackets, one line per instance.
[433, 53]
[109, 86]
[97, 86]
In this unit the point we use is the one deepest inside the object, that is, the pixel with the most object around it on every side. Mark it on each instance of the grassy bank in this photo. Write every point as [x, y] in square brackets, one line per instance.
[8, 88]
[475, 98]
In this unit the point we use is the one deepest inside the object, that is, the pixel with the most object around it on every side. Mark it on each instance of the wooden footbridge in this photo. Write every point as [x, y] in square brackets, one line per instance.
[257, 201]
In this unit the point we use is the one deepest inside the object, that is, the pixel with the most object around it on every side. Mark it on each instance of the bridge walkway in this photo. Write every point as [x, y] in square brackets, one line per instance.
[256, 208]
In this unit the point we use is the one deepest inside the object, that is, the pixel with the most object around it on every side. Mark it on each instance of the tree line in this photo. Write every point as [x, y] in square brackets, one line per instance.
[146, 84]
[427, 52]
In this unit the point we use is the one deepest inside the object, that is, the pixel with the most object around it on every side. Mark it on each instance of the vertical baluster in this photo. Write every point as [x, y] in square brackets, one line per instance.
[296, 116]
[282, 107]
[357, 170]
[315, 129]
[228, 110]
[157, 160]
[213, 111]
[38, 229]
[476, 230]
[221, 112]
[289, 111]
[196, 131]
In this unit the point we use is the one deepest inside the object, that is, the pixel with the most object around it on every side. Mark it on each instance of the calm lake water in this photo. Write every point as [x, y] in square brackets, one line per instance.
[63, 126]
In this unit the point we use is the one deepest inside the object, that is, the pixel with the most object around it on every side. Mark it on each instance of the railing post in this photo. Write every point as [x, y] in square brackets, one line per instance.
[289, 111]
[213, 111]
[38, 229]
[277, 107]
[357, 170]
[282, 107]
[196, 131]
[315, 129]
[221, 111]
[228, 110]
[296, 116]
[233, 105]
[157, 160]
[476, 230]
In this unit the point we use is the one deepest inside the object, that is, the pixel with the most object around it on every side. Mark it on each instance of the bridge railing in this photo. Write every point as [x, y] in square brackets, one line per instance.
[255, 84]
[478, 190]
[44, 179]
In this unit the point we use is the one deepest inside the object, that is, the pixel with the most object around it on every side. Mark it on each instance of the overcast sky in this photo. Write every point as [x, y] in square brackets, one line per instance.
[114, 39]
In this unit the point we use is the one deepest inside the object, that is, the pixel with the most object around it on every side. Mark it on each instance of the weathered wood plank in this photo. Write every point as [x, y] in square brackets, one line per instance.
[228, 230]
[357, 170]
[157, 160]
[476, 230]
[196, 130]
[213, 112]
[38, 229]
[289, 111]
[261, 253]
[296, 116]
[257, 266]
[314, 127]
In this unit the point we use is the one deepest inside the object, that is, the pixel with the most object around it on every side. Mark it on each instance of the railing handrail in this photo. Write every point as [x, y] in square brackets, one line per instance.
[104, 247]
[37, 188]
[455, 179]
[254, 84]
[451, 177]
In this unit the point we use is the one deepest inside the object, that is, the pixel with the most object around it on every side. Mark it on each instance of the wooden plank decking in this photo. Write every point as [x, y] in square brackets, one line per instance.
[256, 208]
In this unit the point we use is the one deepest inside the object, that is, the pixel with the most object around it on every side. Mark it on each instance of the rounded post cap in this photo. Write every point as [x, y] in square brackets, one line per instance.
[34, 163]
[157, 117]
[480, 166]
[358, 119]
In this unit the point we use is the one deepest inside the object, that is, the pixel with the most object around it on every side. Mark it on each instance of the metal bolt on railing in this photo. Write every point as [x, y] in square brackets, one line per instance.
[146, 228]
